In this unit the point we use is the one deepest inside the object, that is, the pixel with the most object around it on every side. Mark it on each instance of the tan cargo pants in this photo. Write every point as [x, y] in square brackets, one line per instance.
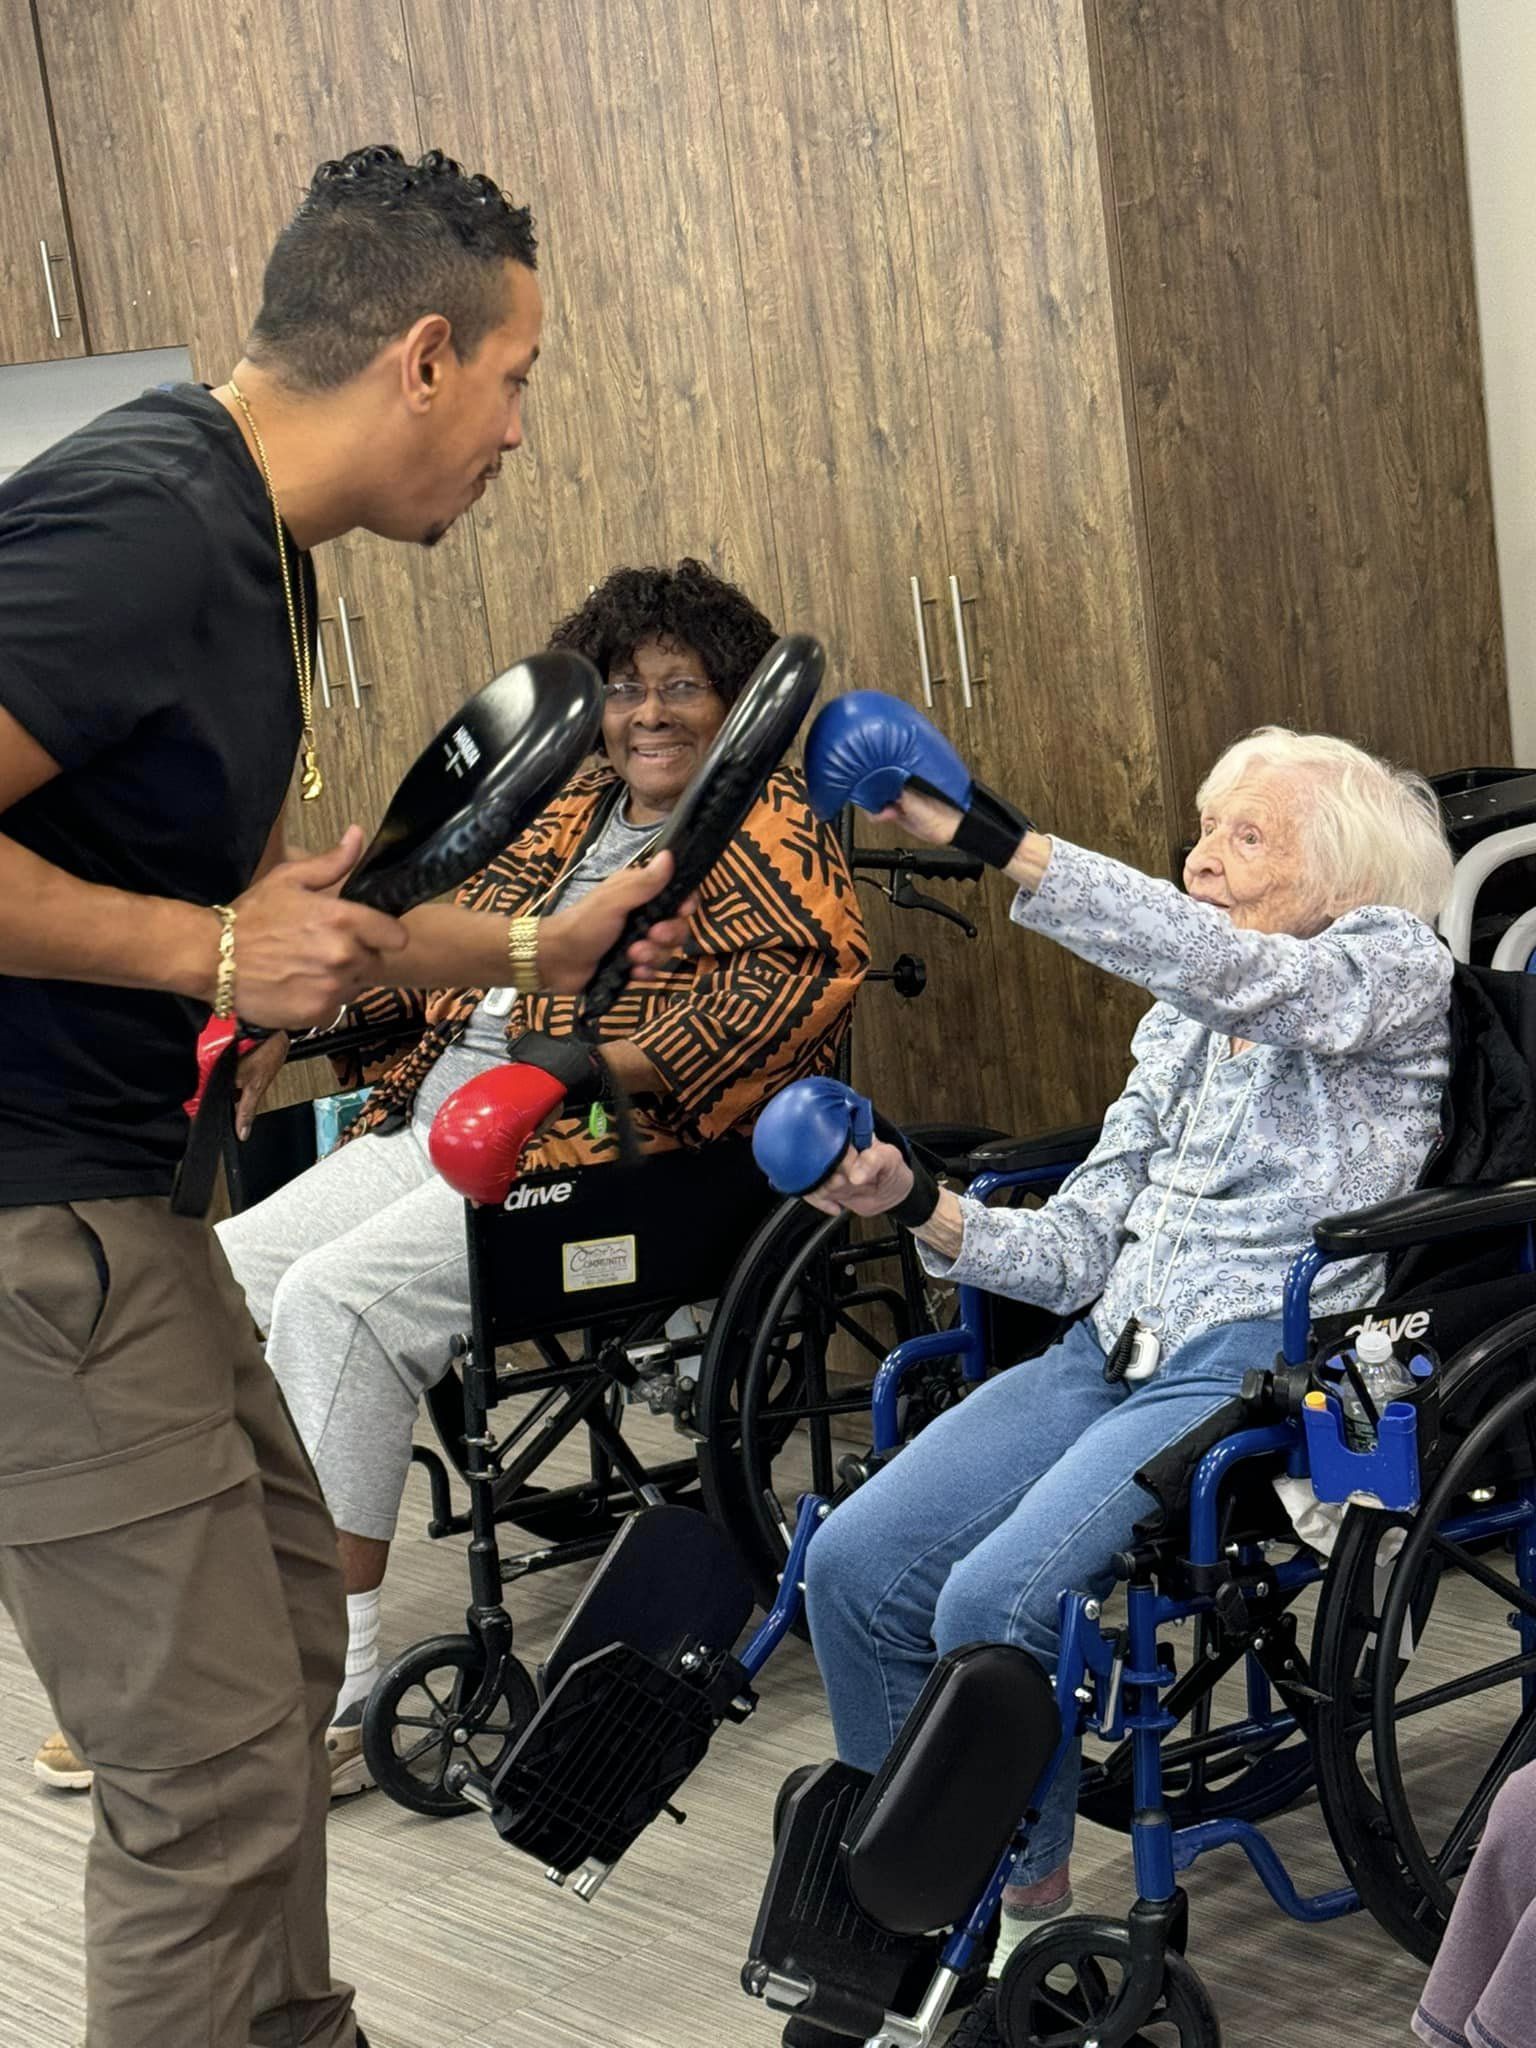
[171, 1570]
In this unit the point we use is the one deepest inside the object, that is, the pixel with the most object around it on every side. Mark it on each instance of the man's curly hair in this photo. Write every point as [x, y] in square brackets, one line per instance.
[376, 244]
[689, 606]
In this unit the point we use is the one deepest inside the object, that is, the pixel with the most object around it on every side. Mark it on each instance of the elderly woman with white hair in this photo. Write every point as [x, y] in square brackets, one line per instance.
[1292, 1066]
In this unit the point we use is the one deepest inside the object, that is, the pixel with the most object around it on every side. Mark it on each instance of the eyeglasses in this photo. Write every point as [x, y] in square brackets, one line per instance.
[677, 693]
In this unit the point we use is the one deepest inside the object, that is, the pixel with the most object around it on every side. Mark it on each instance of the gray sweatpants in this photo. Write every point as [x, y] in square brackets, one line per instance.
[358, 1273]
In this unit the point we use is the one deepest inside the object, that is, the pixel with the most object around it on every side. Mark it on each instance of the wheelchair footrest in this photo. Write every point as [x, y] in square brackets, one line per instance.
[604, 1754]
[813, 1951]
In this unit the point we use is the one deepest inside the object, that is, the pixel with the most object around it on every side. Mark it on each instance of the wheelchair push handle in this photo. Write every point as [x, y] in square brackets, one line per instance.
[932, 863]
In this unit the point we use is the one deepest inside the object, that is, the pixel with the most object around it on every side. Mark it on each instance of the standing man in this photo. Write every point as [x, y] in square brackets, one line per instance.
[164, 1551]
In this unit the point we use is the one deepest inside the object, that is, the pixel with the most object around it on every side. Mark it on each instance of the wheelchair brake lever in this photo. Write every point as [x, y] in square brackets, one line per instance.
[904, 897]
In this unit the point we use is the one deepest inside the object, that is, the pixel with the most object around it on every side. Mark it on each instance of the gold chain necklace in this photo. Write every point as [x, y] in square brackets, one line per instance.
[312, 782]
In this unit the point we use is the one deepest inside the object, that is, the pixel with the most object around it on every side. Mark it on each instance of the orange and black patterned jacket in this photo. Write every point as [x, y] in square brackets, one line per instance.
[761, 994]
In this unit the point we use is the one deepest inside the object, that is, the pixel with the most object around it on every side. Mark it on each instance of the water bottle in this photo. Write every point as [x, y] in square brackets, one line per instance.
[1386, 1378]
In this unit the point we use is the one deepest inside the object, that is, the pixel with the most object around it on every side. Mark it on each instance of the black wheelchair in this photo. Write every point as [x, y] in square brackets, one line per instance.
[1407, 1706]
[595, 1272]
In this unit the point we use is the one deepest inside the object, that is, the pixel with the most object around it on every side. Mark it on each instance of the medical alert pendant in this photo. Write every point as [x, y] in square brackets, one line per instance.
[1146, 1352]
[1138, 1350]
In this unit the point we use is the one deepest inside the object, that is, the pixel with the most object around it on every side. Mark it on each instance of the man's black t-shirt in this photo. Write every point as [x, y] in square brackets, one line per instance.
[144, 644]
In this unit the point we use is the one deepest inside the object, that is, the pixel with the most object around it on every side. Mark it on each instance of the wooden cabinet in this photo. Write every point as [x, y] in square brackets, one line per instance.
[115, 84]
[1044, 603]
[39, 301]
[643, 439]
[1290, 217]
[1116, 358]
[211, 141]
[812, 124]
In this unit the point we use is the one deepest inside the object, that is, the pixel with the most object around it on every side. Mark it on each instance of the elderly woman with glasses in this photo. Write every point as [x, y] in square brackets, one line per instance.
[357, 1270]
[1292, 1065]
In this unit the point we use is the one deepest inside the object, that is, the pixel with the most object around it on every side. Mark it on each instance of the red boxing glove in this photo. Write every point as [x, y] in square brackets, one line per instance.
[212, 1042]
[478, 1135]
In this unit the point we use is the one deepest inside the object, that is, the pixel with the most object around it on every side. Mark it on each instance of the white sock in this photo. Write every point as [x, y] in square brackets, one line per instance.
[362, 1650]
[1018, 1922]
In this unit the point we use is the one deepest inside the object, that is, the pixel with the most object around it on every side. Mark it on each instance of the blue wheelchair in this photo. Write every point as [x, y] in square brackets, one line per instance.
[884, 1890]
[1203, 1708]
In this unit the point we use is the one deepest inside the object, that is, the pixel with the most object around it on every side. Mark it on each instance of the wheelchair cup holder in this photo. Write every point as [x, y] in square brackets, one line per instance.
[1388, 1474]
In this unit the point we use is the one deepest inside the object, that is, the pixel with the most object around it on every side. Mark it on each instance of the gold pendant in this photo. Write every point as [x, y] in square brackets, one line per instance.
[311, 782]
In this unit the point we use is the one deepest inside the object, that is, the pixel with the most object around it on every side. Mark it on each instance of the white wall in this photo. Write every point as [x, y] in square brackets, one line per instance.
[42, 402]
[1498, 78]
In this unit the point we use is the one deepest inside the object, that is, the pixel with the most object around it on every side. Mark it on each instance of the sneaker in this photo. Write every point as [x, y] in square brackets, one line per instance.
[344, 1747]
[978, 2026]
[57, 1766]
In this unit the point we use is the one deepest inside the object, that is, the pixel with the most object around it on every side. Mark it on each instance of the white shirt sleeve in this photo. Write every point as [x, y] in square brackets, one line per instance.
[1369, 976]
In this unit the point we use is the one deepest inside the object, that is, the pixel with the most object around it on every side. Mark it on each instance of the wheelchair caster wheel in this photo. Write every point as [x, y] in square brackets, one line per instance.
[1062, 1983]
[423, 1717]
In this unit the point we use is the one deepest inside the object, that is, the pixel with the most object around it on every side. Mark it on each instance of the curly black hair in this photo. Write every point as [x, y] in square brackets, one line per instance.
[376, 243]
[689, 606]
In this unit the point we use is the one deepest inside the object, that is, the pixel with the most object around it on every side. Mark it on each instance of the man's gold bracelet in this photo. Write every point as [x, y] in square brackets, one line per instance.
[224, 980]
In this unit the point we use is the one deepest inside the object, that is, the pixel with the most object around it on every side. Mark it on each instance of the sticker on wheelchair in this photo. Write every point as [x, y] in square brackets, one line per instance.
[598, 1262]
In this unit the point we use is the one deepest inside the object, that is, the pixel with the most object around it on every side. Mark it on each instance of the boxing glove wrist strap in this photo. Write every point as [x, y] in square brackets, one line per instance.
[224, 978]
[523, 954]
[990, 828]
[918, 1204]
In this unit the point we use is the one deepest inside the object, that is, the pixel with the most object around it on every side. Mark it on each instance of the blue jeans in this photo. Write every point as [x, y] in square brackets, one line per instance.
[1022, 1492]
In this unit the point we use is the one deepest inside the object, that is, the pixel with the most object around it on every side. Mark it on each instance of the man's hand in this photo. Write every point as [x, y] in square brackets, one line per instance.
[299, 951]
[255, 1075]
[866, 1183]
[572, 942]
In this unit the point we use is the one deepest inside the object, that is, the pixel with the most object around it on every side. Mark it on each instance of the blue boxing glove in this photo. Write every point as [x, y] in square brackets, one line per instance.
[802, 1135]
[866, 748]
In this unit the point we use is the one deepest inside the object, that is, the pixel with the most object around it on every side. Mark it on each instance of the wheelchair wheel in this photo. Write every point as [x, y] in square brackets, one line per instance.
[1061, 1984]
[769, 1408]
[1429, 1700]
[420, 1719]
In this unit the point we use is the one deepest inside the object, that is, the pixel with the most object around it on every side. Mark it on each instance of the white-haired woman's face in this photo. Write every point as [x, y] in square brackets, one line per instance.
[1249, 859]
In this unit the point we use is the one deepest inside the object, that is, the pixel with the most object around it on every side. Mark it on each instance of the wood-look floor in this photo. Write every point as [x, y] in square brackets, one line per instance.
[456, 1942]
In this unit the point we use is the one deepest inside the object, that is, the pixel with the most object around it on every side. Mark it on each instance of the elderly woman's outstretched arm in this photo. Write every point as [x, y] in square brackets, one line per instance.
[1060, 1256]
[1370, 975]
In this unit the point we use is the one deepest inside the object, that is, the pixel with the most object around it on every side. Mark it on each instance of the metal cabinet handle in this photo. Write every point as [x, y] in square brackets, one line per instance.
[926, 676]
[962, 648]
[925, 673]
[320, 668]
[53, 301]
[346, 641]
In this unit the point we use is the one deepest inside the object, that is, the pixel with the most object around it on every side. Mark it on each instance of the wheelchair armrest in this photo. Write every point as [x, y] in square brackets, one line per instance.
[1020, 1155]
[1426, 1216]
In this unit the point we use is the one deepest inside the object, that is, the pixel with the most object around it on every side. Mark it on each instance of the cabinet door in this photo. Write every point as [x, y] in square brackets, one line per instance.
[116, 84]
[213, 142]
[1291, 204]
[643, 440]
[39, 304]
[1013, 279]
[837, 344]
